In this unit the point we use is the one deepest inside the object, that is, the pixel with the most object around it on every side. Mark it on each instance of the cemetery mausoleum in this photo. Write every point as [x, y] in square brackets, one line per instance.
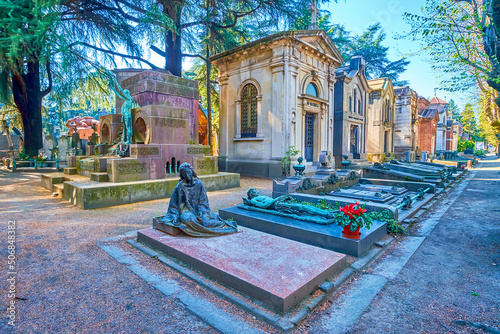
[276, 92]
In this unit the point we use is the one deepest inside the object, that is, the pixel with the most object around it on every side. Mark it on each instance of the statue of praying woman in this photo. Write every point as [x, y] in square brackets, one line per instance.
[189, 210]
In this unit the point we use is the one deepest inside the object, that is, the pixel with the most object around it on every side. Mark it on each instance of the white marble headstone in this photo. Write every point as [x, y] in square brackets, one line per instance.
[63, 148]
[48, 145]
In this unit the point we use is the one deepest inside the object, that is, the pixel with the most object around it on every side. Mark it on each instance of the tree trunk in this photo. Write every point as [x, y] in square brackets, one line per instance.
[173, 43]
[28, 99]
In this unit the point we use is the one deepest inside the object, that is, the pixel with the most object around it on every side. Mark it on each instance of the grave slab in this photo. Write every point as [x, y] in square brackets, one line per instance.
[362, 195]
[324, 236]
[277, 271]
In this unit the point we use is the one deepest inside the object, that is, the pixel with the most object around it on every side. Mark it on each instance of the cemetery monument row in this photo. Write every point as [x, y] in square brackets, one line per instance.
[154, 131]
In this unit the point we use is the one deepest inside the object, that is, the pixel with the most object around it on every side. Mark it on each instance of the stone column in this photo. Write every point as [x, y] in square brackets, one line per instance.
[294, 116]
[260, 115]
[331, 106]
[277, 95]
[223, 119]
[238, 118]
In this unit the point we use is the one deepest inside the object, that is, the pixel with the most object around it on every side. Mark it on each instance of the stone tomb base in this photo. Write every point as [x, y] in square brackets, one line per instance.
[324, 236]
[277, 271]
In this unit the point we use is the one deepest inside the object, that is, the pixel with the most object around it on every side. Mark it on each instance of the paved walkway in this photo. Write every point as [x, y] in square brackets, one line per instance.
[446, 270]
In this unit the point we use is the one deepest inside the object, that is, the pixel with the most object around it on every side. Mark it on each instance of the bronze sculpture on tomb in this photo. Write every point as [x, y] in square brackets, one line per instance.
[189, 210]
[285, 206]
[128, 103]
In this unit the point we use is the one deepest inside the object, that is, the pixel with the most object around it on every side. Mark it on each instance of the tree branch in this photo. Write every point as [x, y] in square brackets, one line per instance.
[195, 56]
[236, 16]
[158, 51]
[116, 54]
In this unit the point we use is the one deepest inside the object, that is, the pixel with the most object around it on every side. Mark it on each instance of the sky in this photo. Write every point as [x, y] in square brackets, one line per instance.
[357, 15]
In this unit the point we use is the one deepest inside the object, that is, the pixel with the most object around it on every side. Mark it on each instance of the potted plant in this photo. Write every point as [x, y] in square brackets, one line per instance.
[353, 219]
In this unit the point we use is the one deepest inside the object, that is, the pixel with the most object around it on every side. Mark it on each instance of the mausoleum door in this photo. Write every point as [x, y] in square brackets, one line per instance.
[309, 137]
[354, 141]
[386, 139]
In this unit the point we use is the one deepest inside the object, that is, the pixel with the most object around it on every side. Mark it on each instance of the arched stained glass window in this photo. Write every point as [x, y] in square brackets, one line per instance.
[249, 111]
[312, 90]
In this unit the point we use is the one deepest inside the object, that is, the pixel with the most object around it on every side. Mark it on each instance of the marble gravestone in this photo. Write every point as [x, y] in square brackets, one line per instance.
[48, 146]
[63, 147]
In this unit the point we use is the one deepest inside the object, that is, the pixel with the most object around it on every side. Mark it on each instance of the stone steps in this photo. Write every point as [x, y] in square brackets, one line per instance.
[70, 171]
[59, 189]
[99, 177]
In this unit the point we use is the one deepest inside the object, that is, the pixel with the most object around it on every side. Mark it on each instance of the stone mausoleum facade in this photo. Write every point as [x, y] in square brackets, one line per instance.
[351, 100]
[406, 127]
[380, 120]
[276, 92]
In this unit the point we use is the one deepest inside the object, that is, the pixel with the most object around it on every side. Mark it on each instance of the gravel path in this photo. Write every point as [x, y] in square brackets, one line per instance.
[67, 284]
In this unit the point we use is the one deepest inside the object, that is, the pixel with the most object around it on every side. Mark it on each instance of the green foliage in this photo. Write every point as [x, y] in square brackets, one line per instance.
[463, 41]
[286, 161]
[465, 145]
[479, 153]
[323, 204]
[23, 156]
[468, 119]
[392, 225]
[453, 109]
[370, 46]
[488, 117]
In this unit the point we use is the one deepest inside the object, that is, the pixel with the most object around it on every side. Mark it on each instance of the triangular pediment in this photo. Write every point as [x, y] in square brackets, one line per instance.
[320, 41]
[315, 39]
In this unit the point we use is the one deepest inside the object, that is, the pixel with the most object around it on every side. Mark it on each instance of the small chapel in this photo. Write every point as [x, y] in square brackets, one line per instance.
[276, 92]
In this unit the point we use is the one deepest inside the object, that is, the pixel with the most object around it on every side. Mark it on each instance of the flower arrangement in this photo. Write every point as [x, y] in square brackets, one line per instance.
[354, 217]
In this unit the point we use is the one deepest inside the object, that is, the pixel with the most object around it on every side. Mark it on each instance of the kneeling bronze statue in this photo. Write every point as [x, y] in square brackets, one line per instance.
[189, 210]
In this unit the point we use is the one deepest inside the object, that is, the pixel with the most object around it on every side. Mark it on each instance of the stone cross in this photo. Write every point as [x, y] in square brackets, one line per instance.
[313, 8]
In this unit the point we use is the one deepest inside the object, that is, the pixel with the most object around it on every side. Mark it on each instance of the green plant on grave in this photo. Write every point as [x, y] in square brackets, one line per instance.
[392, 225]
[286, 161]
[23, 156]
[323, 204]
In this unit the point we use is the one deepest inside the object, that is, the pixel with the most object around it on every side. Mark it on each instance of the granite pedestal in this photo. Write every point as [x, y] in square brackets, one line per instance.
[324, 236]
[277, 271]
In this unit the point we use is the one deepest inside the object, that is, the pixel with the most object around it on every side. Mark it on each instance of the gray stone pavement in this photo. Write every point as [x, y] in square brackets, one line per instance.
[447, 269]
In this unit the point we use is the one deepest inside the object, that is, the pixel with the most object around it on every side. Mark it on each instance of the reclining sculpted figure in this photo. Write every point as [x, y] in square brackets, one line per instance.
[285, 207]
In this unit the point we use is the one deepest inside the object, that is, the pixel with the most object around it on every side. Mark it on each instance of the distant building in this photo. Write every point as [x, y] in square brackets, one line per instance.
[427, 127]
[457, 133]
[444, 137]
[380, 120]
[351, 101]
[406, 128]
